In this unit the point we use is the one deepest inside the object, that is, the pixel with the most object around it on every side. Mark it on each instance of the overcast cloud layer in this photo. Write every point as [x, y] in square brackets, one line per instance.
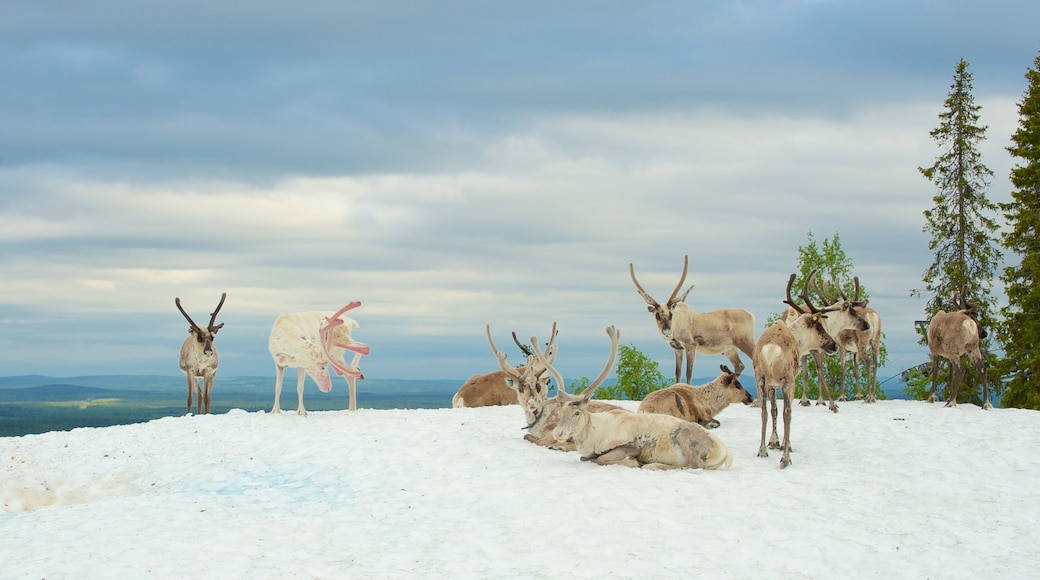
[456, 164]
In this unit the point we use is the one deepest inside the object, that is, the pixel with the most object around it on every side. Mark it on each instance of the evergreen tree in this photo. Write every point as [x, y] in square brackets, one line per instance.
[1021, 327]
[960, 223]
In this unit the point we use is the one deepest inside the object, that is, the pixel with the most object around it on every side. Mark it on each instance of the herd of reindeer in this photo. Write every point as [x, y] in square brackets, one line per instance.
[670, 428]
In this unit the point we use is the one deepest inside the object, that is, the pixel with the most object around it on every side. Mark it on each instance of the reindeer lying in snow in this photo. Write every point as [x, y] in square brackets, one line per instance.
[530, 388]
[507, 386]
[647, 440]
[699, 404]
[312, 342]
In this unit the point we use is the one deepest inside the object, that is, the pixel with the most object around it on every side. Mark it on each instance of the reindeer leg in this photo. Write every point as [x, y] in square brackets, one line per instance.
[734, 357]
[788, 391]
[935, 378]
[279, 371]
[691, 353]
[980, 363]
[301, 376]
[207, 388]
[842, 396]
[760, 383]
[818, 357]
[805, 381]
[191, 389]
[872, 385]
[621, 455]
[774, 440]
[953, 389]
[678, 361]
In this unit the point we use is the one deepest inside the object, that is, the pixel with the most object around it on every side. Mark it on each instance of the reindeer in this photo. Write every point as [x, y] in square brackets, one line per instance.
[547, 411]
[647, 440]
[312, 342]
[699, 404]
[530, 383]
[198, 357]
[775, 360]
[725, 331]
[951, 335]
[857, 342]
[844, 316]
[501, 387]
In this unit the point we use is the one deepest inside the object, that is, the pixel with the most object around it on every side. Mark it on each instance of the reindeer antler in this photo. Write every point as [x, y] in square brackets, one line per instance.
[327, 342]
[195, 327]
[675, 293]
[213, 315]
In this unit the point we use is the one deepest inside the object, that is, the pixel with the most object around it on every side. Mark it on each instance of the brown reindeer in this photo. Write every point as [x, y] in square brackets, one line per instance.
[863, 345]
[500, 387]
[727, 331]
[700, 403]
[951, 335]
[841, 316]
[198, 357]
[775, 359]
[529, 382]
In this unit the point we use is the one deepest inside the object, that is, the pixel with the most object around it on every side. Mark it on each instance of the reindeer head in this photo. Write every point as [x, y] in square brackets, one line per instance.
[574, 415]
[809, 324]
[531, 382]
[204, 336]
[735, 392]
[663, 312]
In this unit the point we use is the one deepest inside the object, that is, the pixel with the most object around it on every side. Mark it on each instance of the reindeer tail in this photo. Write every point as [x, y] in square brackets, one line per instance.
[719, 456]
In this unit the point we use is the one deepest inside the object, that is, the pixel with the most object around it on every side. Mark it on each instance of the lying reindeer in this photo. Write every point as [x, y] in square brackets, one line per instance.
[529, 385]
[621, 437]
[699, 403]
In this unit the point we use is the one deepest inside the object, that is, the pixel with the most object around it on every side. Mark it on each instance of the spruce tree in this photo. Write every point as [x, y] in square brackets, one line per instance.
[962, 229]
[1021, 327]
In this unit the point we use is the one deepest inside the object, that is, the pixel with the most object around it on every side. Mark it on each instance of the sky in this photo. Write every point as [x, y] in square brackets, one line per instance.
[458, 164]
[898, 489]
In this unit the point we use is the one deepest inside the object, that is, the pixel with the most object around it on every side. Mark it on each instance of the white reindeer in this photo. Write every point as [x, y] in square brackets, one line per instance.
[951, 335]
[312, 342]
[699, 403]
[776, 356]
[727, 331]
[647, 440]
[198, 358]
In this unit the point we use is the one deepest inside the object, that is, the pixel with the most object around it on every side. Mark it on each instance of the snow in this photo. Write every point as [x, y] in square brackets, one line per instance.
[897, 489]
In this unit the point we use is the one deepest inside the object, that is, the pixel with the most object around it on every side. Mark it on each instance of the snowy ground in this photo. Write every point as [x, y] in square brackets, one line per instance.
[898, 489]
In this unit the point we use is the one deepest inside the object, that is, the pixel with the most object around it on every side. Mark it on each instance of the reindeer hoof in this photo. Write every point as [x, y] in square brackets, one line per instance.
[805, 403]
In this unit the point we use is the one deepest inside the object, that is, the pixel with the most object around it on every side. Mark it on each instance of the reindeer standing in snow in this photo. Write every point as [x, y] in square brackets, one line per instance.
[199, 357]
[312, 342]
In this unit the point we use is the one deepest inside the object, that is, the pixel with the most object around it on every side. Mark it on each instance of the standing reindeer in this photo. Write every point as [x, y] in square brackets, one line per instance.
[951, 335]
[844, 315]
[858, 342]
[724, 331]
[198, 357]
[775, 360]
[312, 342]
